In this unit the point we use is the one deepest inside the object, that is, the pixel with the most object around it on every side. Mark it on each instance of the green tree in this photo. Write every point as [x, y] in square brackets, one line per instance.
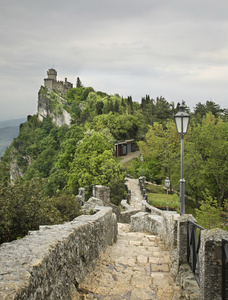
[211, 142]
[78, 83]
[158, 110]
[58, 177]
[86, 92]
[201, 110]
[116, 106]
[162, 110]
[120, 126]
[24, 206]
[75, 110]
[161, 152]
[74, 94]
[94, 162]
[99, 107]
[208, 215]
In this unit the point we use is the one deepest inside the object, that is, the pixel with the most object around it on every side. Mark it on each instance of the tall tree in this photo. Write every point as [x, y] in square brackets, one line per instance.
[78, 83]
[211, 142]
[94, 162]
[208, 215]
[160, 151]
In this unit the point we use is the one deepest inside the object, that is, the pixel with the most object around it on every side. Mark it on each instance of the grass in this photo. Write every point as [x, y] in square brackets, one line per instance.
[159, 201]
[154, 188]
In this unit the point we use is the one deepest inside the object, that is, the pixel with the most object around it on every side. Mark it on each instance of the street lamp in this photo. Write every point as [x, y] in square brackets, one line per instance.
[141, 158]
[182, 122]
[167, 185]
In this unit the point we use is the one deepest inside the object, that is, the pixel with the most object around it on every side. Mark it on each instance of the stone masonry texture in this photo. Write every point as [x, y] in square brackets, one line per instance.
[137, 267]
[50, 263]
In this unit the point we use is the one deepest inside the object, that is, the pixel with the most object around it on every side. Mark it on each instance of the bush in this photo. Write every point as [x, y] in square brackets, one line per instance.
[23, 207]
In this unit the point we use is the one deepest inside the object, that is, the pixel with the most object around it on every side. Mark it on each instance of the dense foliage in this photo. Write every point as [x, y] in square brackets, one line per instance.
[206, 152]
[53, 162]
[24, 206]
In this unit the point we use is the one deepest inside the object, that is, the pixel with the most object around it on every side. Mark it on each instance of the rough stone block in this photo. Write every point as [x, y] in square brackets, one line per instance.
[49, 263]
[154, 224]
[102, 192]
[211, 263]
[138, 221]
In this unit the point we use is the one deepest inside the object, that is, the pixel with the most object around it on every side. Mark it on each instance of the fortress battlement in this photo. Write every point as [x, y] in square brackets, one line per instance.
[51, 82]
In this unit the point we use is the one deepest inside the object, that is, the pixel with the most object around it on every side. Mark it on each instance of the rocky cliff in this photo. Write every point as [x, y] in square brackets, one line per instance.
[50, 104]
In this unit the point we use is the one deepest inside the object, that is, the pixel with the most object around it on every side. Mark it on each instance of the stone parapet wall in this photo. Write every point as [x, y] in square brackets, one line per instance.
[102, 192]
[166, 225]
[146, 207]
[125, 216]
[210, 256]
[163, 223]
[49, 263]
[173, 230]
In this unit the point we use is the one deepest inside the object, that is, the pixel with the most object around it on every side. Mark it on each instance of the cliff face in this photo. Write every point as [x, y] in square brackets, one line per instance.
[51, 104]
[15, 171]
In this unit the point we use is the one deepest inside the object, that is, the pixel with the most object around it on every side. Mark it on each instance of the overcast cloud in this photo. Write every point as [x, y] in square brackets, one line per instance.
[177, 49]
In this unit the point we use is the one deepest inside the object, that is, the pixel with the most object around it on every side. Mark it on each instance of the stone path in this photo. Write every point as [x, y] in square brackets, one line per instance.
[129, 156]
[137, 267]
[136, 196]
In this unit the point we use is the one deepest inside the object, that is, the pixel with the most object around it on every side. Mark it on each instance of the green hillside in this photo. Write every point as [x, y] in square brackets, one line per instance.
[48, 163]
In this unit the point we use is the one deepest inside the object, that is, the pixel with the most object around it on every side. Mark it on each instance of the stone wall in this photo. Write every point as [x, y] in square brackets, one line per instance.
[211, 263]
[158, 222]
[52, 83]
[49, 263]
[166, 225]
[125, 216]
[173, 230]
[103, 193]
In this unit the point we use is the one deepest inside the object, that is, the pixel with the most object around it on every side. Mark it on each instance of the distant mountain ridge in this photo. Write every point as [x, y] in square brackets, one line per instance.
[12, 123]
[9, 129]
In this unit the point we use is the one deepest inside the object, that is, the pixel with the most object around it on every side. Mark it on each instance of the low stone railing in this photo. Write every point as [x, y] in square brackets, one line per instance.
[125, 216]
[49, 263]
[173, 230]
[161, 222]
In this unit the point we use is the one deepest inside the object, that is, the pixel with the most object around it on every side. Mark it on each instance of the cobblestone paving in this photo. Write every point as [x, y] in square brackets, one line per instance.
[137, 267]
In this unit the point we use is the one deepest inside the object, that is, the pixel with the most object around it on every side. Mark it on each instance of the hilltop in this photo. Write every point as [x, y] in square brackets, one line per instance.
[69, 144]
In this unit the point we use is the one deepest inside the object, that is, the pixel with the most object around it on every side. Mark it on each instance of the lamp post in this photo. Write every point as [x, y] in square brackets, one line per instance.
[141, 158]
[167, 185]
[182, 122]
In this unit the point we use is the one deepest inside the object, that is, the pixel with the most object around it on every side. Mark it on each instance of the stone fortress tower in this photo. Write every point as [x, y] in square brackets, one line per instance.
[59, 86]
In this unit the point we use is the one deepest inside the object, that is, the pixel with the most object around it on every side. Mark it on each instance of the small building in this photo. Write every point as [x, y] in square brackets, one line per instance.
[124, 147]
[52, 83]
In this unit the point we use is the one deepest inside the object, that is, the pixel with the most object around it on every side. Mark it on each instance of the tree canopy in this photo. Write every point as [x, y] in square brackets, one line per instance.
[54, 161]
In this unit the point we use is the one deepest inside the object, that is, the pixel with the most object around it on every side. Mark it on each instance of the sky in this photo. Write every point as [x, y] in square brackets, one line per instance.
[175, 49]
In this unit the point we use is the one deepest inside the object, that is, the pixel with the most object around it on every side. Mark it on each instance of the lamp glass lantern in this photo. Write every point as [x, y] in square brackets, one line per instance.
[167, 183]
[182, 120]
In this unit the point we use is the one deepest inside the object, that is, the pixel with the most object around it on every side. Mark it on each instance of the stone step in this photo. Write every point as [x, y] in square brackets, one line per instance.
[136, 267]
